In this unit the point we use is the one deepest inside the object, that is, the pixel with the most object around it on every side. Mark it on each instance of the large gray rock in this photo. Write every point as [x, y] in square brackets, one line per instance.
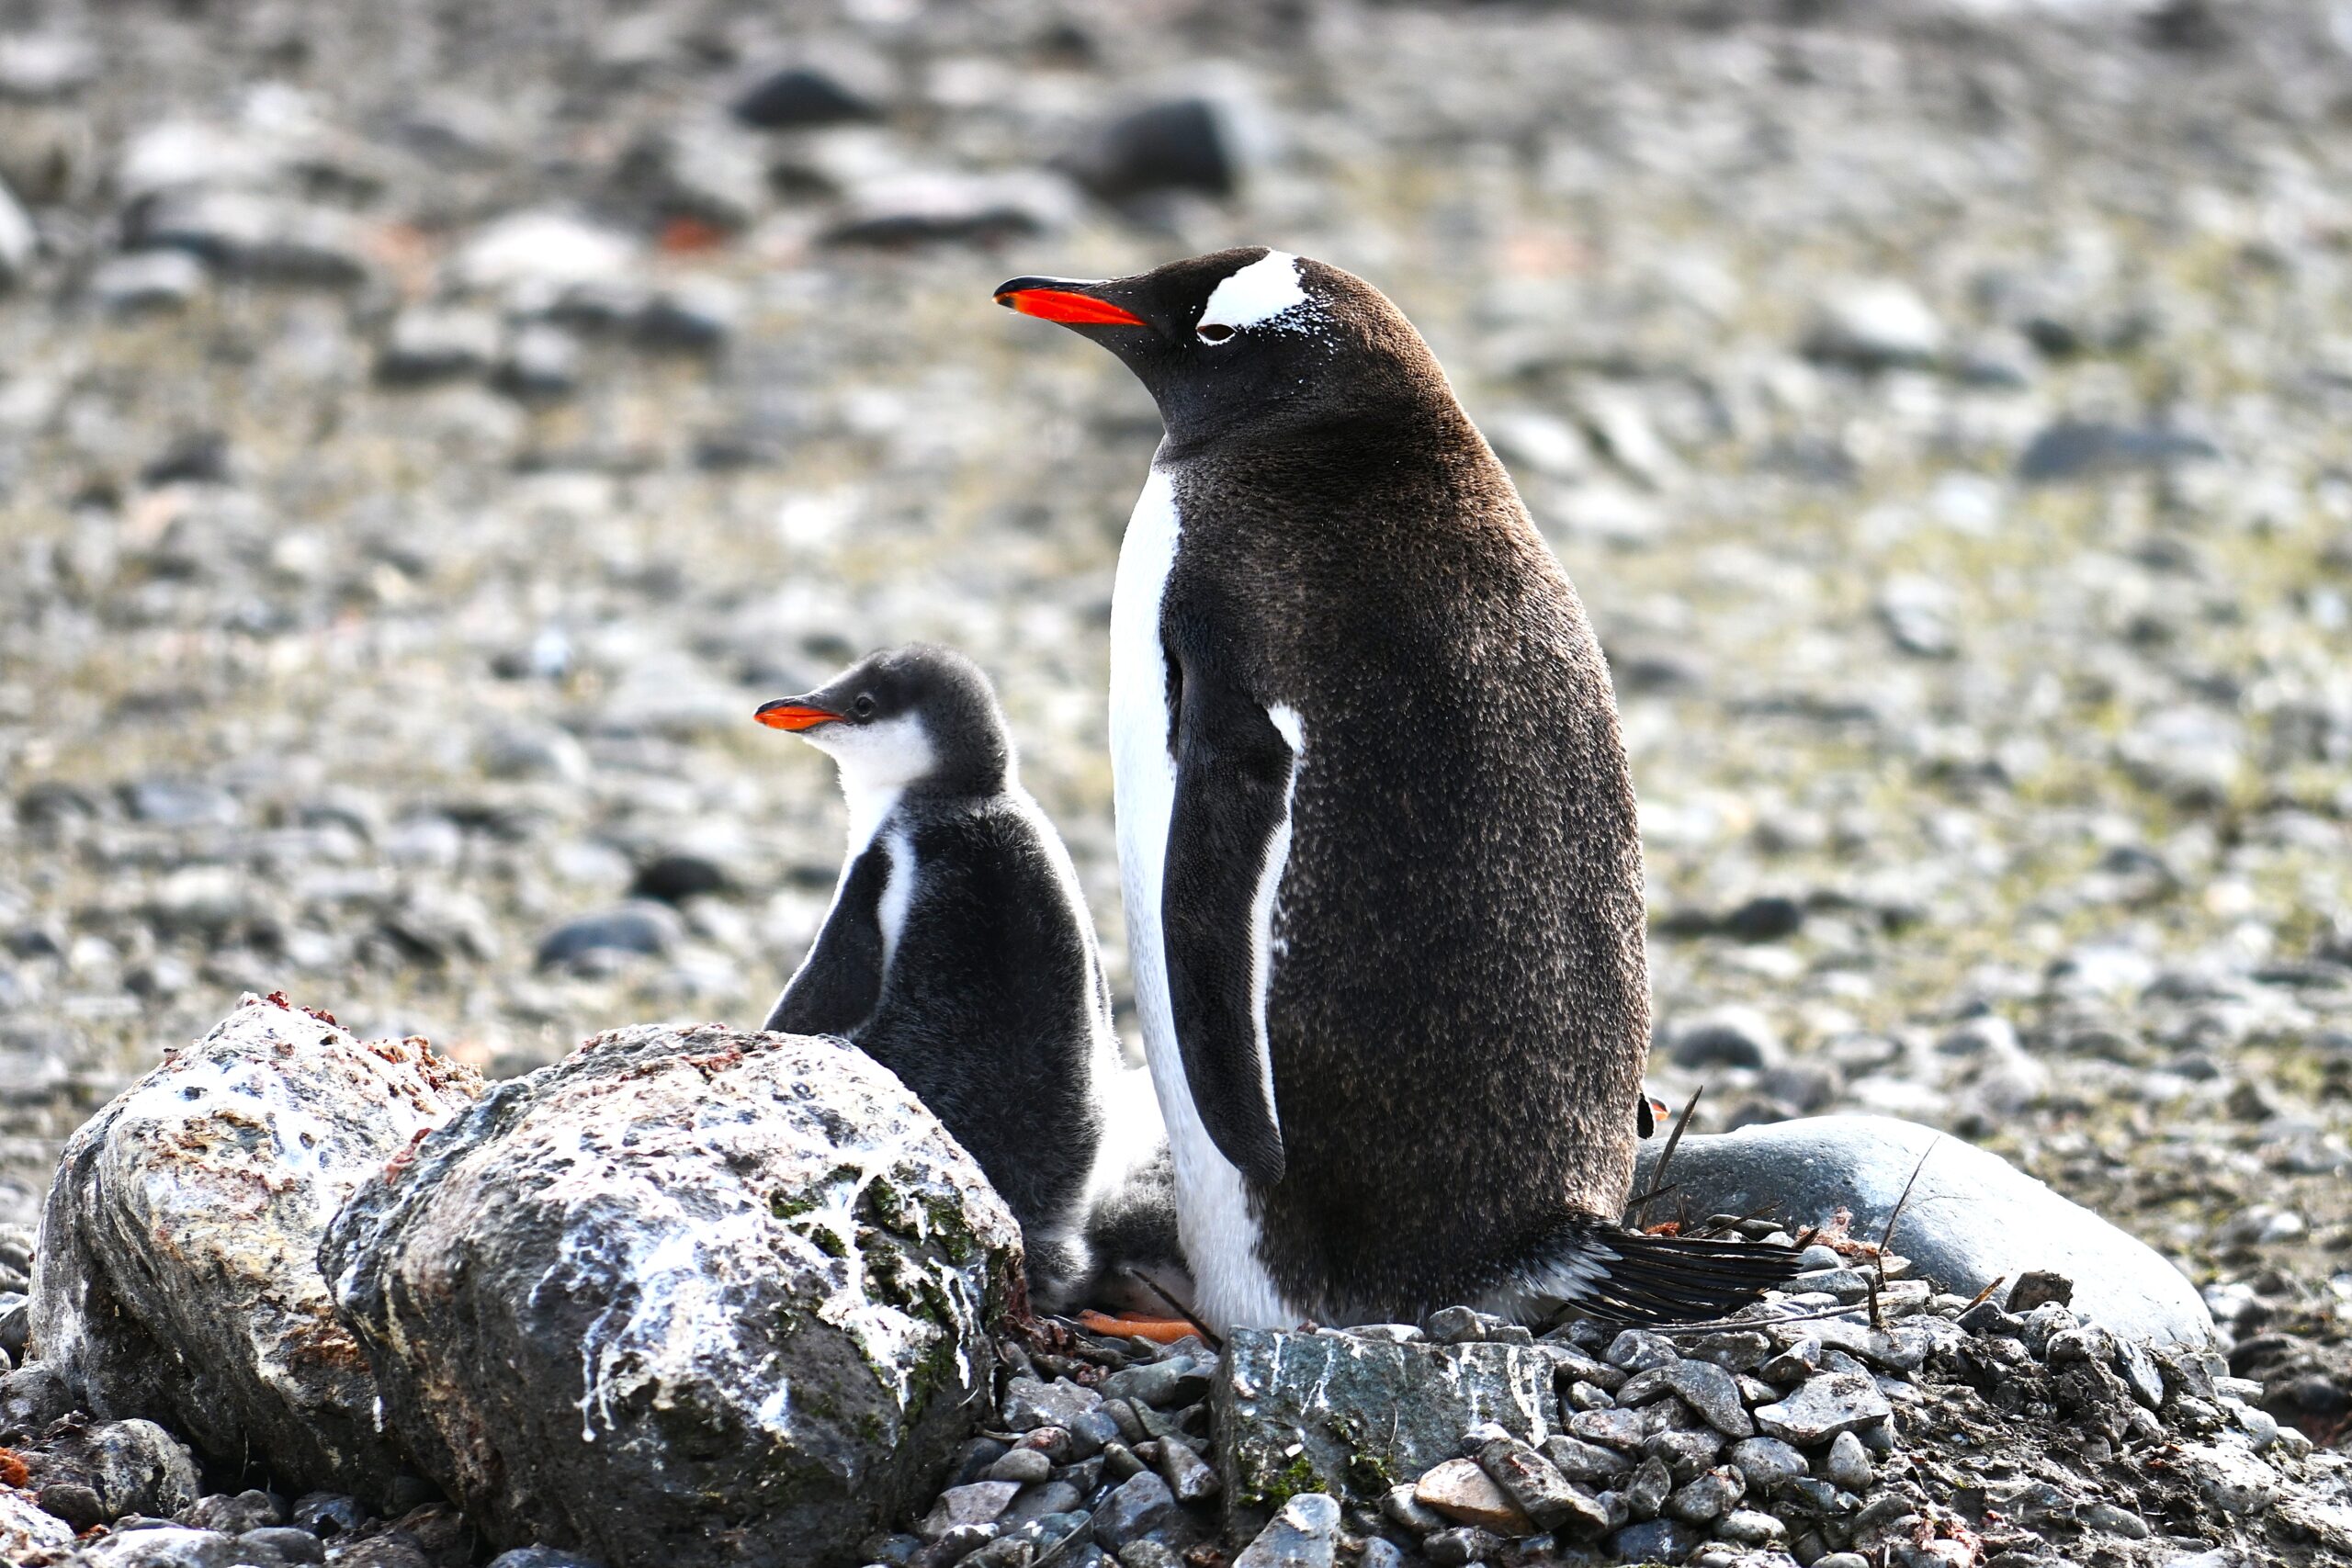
[1972, 1219]
[176, 1277]
[686, 1297]
[1298, 1413]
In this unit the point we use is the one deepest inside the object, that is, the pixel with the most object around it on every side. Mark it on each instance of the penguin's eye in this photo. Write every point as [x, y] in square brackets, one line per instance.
[1214, 331]
[864, 707]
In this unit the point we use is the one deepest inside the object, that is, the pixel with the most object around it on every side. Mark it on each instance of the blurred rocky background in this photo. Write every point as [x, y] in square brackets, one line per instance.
[426, 432]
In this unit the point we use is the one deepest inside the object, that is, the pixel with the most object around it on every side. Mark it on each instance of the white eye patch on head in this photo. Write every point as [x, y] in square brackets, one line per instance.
[1264, 289]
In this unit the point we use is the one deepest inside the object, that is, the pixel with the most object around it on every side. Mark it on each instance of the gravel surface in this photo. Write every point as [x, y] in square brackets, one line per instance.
[426, 433]
[1912, 1427]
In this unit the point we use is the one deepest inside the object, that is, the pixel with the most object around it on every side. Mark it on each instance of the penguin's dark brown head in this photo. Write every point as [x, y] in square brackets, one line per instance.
[1247, 339]
[920, 716]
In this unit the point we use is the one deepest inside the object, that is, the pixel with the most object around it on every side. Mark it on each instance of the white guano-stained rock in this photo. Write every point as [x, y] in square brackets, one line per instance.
[178, 1277]
[686, 1297]
[1346, 1414]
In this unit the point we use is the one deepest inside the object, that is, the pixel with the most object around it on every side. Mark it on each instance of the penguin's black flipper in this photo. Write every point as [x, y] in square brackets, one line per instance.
[1628, 1276]
[1225, 835]
[839, 983]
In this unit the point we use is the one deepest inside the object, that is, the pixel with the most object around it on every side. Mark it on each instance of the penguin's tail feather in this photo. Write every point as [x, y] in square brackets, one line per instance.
[1628, 1276]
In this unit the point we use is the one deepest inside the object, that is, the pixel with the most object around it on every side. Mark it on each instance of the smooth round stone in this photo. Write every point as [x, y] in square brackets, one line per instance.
[285, 1543]
[1848, 1465]
[1972, 1217]
[1749, 1528]
[1021, 1466]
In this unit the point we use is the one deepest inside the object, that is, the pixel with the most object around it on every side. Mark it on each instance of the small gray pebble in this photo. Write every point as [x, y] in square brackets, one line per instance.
[1748, 1527]
[1685, 1453]
[1091, 1432]
[1051, 1441]
[1037, 1502]
[326, 1513]
[1847, 1464]
[1646, 1493]
[1709, 1497]
[1455, 1325]
[285, 1543]
[1023, 1465]
[236, 1514]
[1123, 1416]
[1767, 1461]
[1637, 1351]
[2115, 1521]
[1408, 1512]
[1583, 1395]
[1462, 1546]
[1583, 1461]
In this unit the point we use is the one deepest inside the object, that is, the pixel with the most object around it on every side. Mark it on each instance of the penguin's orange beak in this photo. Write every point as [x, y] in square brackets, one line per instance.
[788, 713]
[1060, 299]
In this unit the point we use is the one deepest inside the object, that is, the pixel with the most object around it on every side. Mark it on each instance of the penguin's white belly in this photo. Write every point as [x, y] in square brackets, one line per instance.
[1219, 1235]
[868, 810]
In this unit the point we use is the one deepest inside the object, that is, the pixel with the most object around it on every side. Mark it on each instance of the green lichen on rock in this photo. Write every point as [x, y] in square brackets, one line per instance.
[787, 1204]
[936, 1370]
[1291, 1412]
[1369, 1464]
[950, 1230]
[1284, 1484]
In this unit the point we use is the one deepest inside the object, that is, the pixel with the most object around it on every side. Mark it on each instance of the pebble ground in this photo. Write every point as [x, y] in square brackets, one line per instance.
[1946, 410]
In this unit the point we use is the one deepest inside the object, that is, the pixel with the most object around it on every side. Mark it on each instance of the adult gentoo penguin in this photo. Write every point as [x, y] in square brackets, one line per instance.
[959, 952]
[1377, 843]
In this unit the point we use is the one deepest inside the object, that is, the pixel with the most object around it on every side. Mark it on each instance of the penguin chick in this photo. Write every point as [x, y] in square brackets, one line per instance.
[1131, 1241]
[1377, 840]
[958, 951]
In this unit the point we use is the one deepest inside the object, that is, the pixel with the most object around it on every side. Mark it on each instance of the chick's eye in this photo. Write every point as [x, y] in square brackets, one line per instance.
[1214, 331]
[864, 707]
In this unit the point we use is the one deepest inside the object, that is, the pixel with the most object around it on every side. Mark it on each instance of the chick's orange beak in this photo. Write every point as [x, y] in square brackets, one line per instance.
[789, 714]
[1066, 305]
